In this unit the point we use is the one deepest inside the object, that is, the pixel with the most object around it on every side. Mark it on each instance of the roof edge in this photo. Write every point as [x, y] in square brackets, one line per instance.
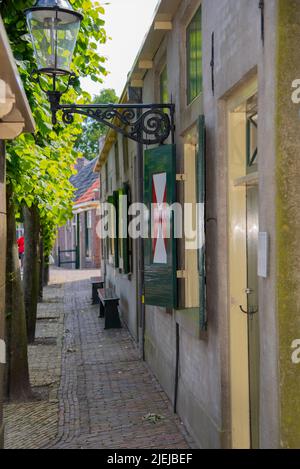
[164, 7]
[12, 76]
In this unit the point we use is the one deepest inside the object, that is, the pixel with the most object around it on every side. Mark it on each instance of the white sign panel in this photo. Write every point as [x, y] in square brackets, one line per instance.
[2, 352]
[263, 255]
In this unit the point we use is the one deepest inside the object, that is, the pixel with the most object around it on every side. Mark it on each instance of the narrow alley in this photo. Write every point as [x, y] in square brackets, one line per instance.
[90, 389]
[156, 172]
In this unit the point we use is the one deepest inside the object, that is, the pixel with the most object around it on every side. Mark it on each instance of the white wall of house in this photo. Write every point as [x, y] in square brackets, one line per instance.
[240, 55]
[199, 393]
[241, 60]
[125, 284]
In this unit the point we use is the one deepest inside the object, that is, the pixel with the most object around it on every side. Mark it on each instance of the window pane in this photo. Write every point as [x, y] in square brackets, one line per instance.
[164, 92]
[88, 234]
[106, 178]
[125, 154]
[117, 167]
[194, 57]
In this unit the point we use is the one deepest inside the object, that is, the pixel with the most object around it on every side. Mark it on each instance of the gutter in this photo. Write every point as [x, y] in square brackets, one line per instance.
[84, 206]
[163, 15]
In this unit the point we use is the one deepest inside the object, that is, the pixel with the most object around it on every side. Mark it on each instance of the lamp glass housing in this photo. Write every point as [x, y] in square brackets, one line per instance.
[54, 28]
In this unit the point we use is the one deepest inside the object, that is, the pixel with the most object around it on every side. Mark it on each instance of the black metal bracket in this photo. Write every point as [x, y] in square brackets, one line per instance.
[149, 124]
[261, 5]
[251, 157]
[251, 312]
[212, 63]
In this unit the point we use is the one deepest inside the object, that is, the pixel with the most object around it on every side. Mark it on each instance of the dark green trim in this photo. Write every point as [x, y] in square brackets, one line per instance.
[116, 239]
[201, 189]
[126, 258]
[110, 200]
[78, 242]
[160, 279]
[87, 244]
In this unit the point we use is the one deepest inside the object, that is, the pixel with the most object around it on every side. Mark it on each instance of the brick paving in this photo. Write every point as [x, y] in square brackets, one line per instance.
[95, 392]
[33, 424]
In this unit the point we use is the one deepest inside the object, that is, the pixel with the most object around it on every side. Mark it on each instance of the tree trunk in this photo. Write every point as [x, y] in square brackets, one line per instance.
[31, 268]
[46, 273]
[41, 270]
[17, 375]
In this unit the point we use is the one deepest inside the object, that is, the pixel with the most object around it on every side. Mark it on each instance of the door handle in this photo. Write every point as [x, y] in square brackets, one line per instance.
[251, 312]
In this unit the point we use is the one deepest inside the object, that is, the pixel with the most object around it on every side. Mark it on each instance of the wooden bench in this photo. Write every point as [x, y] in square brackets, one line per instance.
[109, 308]
[97, 282]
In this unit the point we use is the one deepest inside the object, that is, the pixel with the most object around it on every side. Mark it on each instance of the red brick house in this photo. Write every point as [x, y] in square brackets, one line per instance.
[79, 236]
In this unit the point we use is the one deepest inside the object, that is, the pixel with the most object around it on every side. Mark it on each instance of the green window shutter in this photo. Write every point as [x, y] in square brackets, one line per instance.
[86, 235]
[110, 240]
[126, 260]
[201, 185]
[116, 240]
[160, 251]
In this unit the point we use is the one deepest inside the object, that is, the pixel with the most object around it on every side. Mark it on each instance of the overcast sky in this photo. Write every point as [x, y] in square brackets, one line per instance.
[127, 22]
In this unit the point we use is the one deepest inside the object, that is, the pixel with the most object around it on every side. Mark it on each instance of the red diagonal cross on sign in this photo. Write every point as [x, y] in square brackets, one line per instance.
[160, 218]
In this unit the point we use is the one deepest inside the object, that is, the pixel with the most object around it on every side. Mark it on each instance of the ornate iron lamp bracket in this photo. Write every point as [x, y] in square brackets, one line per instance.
[149, 124]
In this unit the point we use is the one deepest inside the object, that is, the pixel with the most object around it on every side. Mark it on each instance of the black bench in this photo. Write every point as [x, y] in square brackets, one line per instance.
[109, 308]
[97, 282]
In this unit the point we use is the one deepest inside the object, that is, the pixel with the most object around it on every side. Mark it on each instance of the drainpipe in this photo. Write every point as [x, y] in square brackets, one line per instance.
[140, 156]
[176, 368]
[135, 95]
[78, 250]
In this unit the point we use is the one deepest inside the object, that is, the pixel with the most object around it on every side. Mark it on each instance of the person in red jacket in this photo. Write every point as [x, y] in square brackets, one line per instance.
[21, 242]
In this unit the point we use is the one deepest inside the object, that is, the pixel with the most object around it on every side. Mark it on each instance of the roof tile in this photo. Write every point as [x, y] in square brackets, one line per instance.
[84, 179]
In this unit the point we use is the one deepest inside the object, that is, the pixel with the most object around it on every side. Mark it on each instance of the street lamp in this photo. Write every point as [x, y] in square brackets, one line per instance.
[54, 26]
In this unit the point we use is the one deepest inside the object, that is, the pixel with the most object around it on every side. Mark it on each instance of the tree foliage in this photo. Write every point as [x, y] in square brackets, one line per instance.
[88, 142]
[40, 165]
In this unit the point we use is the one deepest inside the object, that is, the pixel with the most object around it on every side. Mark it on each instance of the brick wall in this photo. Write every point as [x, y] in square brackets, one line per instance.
[96, 242]
[66, 241]
[94, 261]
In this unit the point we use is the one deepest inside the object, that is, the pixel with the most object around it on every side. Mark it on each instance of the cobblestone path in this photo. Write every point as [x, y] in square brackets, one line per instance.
[98, 394]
